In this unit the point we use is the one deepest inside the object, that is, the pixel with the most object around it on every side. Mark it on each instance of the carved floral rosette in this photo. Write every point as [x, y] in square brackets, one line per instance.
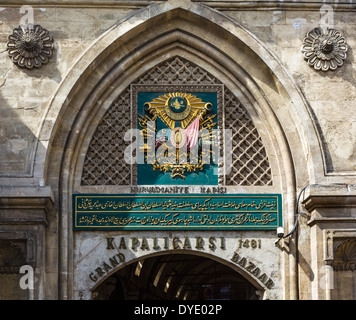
[324, 50]
[30, 47]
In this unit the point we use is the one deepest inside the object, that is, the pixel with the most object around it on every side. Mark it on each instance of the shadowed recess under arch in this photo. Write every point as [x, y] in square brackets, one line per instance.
[176, 277]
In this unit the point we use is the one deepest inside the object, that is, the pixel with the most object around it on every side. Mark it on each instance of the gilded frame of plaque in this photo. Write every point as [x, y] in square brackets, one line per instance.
[174, 109]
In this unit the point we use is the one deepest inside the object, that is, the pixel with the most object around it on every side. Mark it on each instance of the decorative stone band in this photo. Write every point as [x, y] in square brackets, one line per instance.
[25, 205]
[324, 50]
[30, 47]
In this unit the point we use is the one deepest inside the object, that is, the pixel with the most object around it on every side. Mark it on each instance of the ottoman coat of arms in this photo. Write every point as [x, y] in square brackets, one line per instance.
[178, 132]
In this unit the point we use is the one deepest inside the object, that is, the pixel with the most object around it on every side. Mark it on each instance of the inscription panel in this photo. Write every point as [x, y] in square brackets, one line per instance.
[149, 211]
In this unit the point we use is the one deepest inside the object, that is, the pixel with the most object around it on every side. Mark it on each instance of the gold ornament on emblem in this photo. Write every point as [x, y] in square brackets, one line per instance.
[184, 114]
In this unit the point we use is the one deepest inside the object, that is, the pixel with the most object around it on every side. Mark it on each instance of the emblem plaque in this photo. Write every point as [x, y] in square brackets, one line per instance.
[179, 134]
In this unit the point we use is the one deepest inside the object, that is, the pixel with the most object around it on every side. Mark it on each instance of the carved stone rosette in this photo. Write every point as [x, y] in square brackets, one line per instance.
[324, 50]
[30, 47]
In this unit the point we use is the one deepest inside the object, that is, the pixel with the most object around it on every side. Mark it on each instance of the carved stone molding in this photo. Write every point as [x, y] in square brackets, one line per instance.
[324, 50]
[320, 197]
[30, 47]
[25, 205]
[340, 248]
[345, 256]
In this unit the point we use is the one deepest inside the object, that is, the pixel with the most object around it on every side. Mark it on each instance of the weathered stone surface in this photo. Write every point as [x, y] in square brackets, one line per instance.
[306, 120]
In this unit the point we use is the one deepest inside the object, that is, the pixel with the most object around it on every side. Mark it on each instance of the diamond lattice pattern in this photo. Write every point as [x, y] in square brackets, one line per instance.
[104, 162]
[250, 162]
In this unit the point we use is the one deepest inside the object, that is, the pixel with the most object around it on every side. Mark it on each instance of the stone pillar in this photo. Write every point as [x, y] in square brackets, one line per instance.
[23, 223]
[332, 222]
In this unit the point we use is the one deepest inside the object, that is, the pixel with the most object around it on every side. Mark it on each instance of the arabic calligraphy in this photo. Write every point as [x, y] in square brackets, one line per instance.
[176, 219]
[207, 204]
[175, 211]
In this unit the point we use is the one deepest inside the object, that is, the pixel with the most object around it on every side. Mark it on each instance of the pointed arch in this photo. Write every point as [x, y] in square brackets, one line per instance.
[125, 52]
[161, 273]
[104, 162]
[250, 61]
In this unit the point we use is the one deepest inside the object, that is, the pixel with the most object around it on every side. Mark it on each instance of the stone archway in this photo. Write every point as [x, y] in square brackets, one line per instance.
[183, 276]
[125, 53]
[98, 256]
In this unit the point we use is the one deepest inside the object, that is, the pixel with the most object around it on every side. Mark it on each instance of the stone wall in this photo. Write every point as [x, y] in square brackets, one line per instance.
[25, 95]
[331, 95]
[41, 111]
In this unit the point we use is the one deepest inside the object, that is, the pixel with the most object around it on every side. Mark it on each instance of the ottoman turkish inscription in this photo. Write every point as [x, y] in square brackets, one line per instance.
[157, 211]
[177, 146]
